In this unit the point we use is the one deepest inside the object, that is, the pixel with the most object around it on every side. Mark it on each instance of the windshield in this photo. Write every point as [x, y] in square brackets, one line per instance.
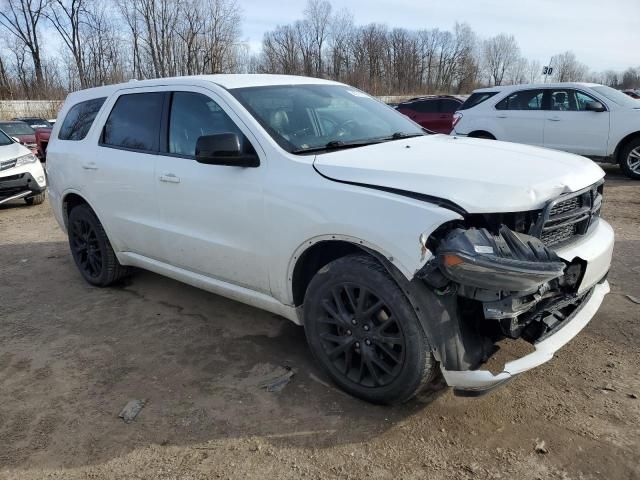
[305, 118]
[4, 139]
[17, 128]
[617, 96]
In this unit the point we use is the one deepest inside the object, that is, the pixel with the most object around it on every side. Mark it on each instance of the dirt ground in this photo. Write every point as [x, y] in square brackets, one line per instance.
[71, 356]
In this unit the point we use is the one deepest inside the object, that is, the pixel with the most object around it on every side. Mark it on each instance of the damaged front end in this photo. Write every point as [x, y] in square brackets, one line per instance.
[486, 286]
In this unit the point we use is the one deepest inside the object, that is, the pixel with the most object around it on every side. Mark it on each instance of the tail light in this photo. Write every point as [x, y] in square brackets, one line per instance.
[456, 118]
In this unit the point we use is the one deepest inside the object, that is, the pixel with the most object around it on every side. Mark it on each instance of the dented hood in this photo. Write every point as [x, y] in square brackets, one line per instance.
[481, 176]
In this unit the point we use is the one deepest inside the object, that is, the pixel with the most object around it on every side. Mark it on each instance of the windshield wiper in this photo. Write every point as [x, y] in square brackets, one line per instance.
[401, 135]
[338, 145]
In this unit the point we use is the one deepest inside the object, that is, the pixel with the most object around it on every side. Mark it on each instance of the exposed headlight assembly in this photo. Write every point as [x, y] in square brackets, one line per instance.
[26, 159]
[507, 261]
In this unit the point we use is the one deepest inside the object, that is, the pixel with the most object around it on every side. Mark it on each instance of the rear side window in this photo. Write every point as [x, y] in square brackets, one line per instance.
[134, 122]
[448, 105]
[523, 100]
[476, 99]
[79, 119]
[425, 106]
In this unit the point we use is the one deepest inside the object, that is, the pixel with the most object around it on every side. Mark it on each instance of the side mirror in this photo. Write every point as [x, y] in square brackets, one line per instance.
[224, 149]
[595, 107]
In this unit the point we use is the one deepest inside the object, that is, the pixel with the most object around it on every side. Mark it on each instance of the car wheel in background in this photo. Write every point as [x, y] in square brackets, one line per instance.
[630, 159]
[91, 249]
[364, 332]
[35, 199]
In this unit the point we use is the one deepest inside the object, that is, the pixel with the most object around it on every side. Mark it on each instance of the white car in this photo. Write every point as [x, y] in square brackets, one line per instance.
[404, 255]
[21, 174]
[584, 118]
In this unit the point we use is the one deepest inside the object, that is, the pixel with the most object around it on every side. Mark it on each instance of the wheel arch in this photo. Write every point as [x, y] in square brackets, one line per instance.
[481, 134]
[317, 252]
[70, 200]
[623, 143]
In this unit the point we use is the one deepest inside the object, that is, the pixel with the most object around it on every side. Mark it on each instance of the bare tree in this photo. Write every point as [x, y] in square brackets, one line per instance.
[500, 54]
[67, 17]
[317, 17]
[567, 68]
[21, 19]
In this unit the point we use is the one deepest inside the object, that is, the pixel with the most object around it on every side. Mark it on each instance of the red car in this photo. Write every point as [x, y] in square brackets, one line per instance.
[433, 113]
[21, 132]
[42, 140]
[633, 93]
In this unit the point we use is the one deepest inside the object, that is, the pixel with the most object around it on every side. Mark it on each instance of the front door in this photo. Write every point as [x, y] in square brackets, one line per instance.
[569, 126]
[213, 215]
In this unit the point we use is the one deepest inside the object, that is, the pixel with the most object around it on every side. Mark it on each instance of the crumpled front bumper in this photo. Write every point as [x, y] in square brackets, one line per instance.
[477, 382]
[596, 249]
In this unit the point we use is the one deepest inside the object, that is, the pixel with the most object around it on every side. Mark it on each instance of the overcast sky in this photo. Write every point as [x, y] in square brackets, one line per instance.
[604, 34]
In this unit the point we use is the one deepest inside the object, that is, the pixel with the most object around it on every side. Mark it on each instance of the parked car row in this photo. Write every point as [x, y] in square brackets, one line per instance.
[32, 132]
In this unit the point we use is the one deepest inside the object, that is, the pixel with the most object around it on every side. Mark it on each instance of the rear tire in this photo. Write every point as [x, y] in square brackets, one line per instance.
[91, 249]
[630, 159]
[35, 199]
[484, 135]
[364, 333]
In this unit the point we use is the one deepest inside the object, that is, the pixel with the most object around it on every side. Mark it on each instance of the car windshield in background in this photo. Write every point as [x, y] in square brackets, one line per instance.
[617, 96]
[476, 99]
[17, 129]
[4, 139]
[305, 118]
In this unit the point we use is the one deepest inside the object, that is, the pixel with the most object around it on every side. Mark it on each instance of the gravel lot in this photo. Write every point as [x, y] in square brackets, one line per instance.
[72, 356]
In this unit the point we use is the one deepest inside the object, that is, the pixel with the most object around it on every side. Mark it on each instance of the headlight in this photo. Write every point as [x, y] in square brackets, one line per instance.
[506, 261]
[26, 159]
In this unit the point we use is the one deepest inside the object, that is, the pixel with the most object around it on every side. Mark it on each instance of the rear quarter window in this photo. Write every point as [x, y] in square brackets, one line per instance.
[476, 99]
[79, 119]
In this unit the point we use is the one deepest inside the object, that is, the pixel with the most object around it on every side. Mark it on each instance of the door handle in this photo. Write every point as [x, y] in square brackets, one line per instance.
[501, 116]
[169, 178]
[90, 166]
[554, 119]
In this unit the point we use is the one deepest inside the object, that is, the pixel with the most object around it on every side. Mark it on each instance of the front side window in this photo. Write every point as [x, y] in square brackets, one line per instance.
[524, 100]
[304, 118]
[79, 119]
[134, 122]
[194, 115]
[582, 100]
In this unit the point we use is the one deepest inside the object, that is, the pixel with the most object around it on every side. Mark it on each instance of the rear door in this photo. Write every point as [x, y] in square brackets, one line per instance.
[122, 186]
[424, 112]
[213, 215]
[569, 126]
[519, 117]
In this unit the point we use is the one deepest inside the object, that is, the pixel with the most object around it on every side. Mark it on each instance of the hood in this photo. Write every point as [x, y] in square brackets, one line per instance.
[481, 176]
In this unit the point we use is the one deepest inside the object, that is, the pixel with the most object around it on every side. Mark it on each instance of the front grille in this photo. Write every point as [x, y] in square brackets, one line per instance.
[7, 164]
[569, 216]
[560, 235]
[565, 206]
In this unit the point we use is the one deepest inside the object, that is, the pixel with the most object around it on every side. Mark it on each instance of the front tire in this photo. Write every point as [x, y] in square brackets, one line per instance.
[630, 159]
[363, 331]
[91, 249]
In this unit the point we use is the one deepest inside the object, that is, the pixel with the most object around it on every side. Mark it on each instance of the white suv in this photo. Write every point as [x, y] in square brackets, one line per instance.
[584, 118]
[21, 173]
[404, 255]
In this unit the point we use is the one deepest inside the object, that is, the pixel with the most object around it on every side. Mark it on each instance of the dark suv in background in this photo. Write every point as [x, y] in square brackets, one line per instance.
[433, 113]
